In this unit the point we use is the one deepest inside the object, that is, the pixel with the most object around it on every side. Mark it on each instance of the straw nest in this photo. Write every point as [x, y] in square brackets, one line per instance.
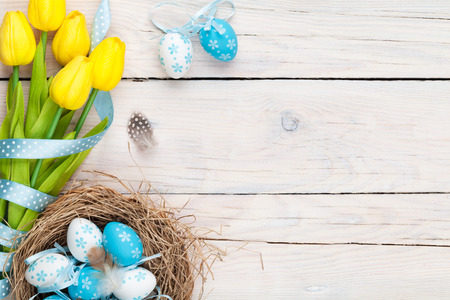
[183, 256]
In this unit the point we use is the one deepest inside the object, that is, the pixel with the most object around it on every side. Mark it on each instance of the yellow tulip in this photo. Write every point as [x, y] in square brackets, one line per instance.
[70, 87]
[47, 15]
[72, 38]
[17, 42]
[109, 60]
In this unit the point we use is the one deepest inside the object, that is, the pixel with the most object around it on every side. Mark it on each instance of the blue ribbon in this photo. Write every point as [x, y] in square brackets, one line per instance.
[5, 288]
[10, 237]
[24, 196]
[193, 26]
[100, 26]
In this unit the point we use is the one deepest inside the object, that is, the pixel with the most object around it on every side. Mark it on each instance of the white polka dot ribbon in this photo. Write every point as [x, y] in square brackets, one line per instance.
[6, 261]
[4, 288]
[100, 26]
[24, 195]
[10, 237]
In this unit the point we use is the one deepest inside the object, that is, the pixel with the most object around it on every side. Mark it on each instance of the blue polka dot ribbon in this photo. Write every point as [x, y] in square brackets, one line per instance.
[5, 287]
[196, 22]
[41, 149]
[100, 26]
[6, 260]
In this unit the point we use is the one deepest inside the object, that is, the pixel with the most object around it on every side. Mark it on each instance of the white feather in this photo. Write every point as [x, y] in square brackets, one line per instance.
[111, 280]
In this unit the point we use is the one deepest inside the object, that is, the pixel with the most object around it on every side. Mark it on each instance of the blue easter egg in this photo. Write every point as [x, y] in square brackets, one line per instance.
[122, 244]
[54, 297]
[87, 288]
[221, 46]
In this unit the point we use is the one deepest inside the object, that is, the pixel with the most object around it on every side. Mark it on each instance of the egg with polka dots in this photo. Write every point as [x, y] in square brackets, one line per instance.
[82, 236]
[136, 284]
[122, 243]
[88, 287]
[221, 45]
[44, 271]
[175, 54]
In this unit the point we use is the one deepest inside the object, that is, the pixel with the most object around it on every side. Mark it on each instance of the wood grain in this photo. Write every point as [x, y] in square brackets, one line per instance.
[292, 39]
[283, 136]
[320, 219]
[347, 272]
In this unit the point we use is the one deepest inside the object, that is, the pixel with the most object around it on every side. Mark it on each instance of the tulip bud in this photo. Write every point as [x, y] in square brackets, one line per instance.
[109, 60]
[47, 15]
[17, 42]
[71, 86]
[72, 38]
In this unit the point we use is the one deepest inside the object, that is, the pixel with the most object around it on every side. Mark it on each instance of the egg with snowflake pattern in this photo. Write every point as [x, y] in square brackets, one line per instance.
[175, 54]
[45, 271]
[82, 236]
[87, 287]
[122, 243]
[136, 284]
[220, 40]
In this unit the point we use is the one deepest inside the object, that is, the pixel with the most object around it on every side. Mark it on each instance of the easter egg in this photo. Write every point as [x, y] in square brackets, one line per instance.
[175, 54]
[122, 243]
[44, 271]
[83, 235]
[136, 284]
[221, 46]
[54, 297]
[88, 285]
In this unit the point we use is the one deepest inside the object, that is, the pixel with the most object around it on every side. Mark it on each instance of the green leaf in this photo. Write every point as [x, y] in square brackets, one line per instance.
[63, 124]
[58, 179]
[42, 124]
[20, 173]
[50, 164]
[37, 84]
[18, 109]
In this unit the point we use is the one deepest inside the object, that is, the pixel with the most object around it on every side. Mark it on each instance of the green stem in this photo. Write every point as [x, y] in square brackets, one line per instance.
[49, 135]
[85, 112]
[15, 77]
[44, 42]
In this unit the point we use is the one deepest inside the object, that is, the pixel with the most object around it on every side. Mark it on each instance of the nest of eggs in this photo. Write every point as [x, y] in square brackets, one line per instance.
[183, 256]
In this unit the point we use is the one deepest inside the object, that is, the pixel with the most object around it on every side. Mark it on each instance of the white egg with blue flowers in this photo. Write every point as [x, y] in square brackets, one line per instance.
[219, 40]
[45, 271]
[82, 236]
[175, 54]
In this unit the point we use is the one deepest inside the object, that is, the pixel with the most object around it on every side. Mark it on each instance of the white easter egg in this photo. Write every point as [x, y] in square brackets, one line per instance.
[44, 271]
[175, 54]
[136, 284]
[83, 235]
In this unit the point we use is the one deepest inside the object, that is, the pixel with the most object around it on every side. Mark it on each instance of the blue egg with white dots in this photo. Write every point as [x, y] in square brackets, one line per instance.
[88, 287]
[122, 243]
[220, 42]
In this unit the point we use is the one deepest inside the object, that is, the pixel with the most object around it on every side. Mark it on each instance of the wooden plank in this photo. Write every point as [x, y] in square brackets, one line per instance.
[375, 38]
[281, 136]
[320, 219]
[331, 272]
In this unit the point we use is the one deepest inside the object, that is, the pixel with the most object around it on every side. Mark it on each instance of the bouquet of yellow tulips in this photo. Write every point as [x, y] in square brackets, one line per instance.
[51, 105]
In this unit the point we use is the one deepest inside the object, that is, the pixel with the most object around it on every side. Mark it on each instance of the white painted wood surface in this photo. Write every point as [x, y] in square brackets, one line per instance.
[291, 38]
[341, 185]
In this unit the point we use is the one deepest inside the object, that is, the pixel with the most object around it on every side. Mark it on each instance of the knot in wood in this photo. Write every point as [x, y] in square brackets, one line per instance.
[289, 121]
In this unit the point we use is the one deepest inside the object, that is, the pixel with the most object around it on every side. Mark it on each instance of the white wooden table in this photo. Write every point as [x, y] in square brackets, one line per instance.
[324, 146]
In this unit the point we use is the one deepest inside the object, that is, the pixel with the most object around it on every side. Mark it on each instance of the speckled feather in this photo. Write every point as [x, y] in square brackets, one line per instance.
[140, 130]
